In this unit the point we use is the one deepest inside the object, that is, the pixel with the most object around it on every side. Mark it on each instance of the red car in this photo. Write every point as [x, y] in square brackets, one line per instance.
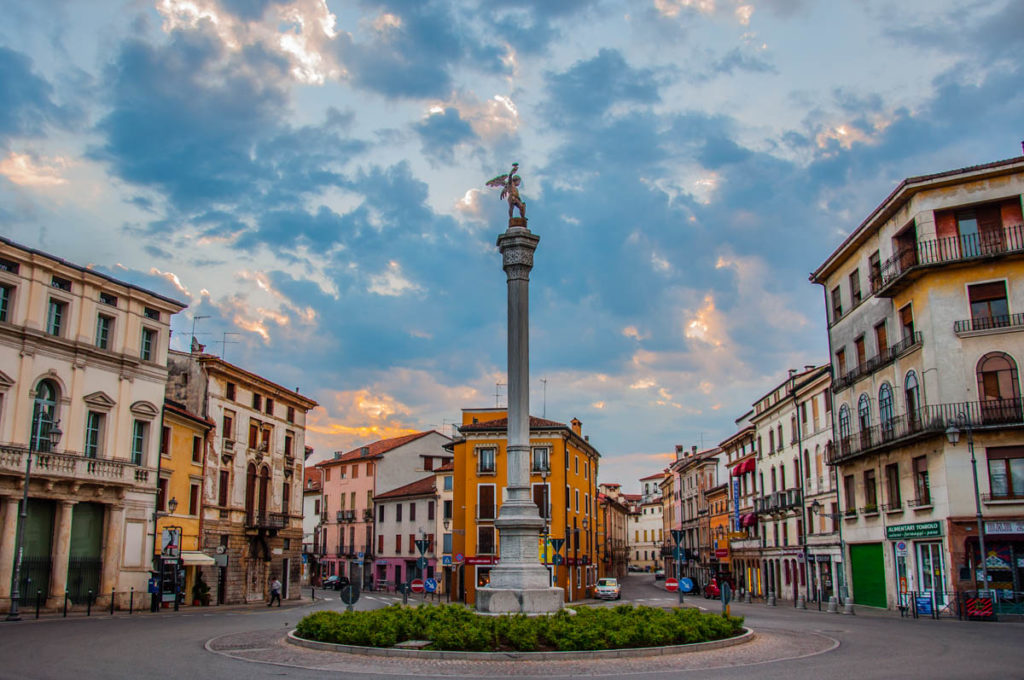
[711, 590]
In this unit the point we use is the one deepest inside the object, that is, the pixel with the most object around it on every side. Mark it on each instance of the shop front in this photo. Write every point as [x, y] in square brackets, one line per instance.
[1004, 548]
[919, 563]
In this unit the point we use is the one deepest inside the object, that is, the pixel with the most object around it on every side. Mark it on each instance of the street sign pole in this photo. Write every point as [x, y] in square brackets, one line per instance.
[677, 537]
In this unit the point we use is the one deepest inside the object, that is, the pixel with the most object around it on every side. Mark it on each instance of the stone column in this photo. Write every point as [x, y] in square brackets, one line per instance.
[61, 549]
[113, 534]
[519, 583]
[7, 534]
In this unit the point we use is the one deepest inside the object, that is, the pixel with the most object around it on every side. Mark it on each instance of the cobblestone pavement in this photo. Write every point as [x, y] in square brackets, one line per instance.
[271, 647]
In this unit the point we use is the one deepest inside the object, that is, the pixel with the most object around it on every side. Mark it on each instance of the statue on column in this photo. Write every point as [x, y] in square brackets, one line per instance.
[510, 191]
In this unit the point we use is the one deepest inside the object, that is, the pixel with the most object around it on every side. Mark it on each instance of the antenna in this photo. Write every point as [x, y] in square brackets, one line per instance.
[497, 393]
[544, 381]
[224, 344]
[194, 319]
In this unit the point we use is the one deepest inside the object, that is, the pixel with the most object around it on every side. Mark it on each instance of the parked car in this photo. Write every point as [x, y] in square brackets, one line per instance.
[659, 575]
[335, 582]
[634, 568]
[608, 589]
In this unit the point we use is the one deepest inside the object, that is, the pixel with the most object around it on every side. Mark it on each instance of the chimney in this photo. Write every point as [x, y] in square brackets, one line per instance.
[694, 450]
[808, 367]
[577, 426]
[679, 451]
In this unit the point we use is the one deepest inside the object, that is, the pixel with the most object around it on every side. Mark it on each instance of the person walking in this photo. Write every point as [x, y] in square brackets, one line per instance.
[275, 592]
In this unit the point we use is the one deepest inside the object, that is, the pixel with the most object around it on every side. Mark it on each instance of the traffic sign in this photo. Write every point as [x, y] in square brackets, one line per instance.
[422, 563]
[360, 555]
[422, 545]
[686, 585]
[679, 553]
[556, 544]
[350, 594]
[416, 585]
[430, 585]
[446, 560]
[677, 536]
[671, 585]
[459, 558]
[558, 559]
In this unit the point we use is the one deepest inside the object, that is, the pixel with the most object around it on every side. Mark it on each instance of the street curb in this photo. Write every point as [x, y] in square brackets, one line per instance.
[747, 636]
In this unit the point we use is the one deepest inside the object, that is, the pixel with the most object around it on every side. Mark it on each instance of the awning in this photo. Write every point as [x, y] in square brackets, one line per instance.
[194, 558]
[748, 520]
[746, 466]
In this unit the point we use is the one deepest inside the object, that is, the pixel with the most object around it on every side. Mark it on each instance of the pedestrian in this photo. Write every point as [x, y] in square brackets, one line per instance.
[275, 592]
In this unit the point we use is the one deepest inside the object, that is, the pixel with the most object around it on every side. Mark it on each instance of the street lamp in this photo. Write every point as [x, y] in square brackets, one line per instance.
[54, 436]
[172, 505]
[953, 435]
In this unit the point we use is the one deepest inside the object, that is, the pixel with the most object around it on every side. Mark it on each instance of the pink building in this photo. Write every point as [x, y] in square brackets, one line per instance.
[350, 482]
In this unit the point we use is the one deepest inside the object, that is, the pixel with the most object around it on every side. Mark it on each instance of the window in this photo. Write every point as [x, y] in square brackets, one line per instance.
[60, 283]
[161, 494]
[485, 540]
[541, 459]
[577, 494]
[485, 501]
[398, 544]
[912, 394]
[286, 498]
[355, 471]
[254, 433]
[779, 438]
[849, 486]
[93, 434]
[855, 296]
[870, 492]
[197, 449]
[485, 460]
[222, 488]
[108, 299]
[430, 511]
[837, 303]
[1006, 471]
[907, 321]
[771, 441]
[352, 500]
[447, 546]
[228, 425]
[289, 443]
[430, 543]
[270, 407]
[257, 401]
[398, 511]
[881, 338]
[998, 388]
[989, 307]
[229, 391]
[104, 324]
[55, 317]
[864, 414]
[446, 508]
[885, 411]
[380, 512]
[151, 313]
[412, 544]
[369, 469]
[892, 486]
[540, 498]
[412, 512]
[576, 465]
[841, 362]
[380, 544]
[193, 499]
[449, 482]
[165, 441]
[861, 351]
[140, 430]
[6, 294]
[148, 344]
[428, 463]
[290, 417]
[875, 271]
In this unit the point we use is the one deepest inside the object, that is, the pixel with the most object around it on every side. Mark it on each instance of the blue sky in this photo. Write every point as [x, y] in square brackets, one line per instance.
[310, 174]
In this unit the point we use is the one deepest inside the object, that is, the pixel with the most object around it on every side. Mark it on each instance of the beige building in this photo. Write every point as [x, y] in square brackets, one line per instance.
[612, 531]
[646, 529]
[253, 485]
[924, 304]
[86, 353]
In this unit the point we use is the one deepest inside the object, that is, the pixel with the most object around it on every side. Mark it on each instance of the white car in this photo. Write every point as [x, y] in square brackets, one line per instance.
[608, 589]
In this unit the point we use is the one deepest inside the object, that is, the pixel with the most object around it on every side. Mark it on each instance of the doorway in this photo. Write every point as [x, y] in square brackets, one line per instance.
[931, 571]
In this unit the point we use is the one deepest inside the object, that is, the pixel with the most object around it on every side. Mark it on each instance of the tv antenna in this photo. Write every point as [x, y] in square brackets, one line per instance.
[224, 345]
[497, 393]
[544, 381]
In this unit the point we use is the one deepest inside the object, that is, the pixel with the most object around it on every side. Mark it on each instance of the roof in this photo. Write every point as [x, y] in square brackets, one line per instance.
[900, 195]
[447, 467]
[632, 496]
[180, 410]
[93, 272]
[207, 359]
[500, 424]
[654, 476]
[421, 487]
[312, 479]
[377, 448]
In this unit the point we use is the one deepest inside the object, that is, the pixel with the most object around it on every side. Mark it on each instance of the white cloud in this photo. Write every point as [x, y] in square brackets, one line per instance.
[391, 282]
[29, 171]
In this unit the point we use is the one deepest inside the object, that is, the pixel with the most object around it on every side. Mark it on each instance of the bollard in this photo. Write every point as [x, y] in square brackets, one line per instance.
[131, 600]
[65, 604]
[749, 598]
[111, 601]
[848, 606]
[39, 597]
[801, 602]
[312, 594]
[88, 603]
[771, 598]
[833, 605]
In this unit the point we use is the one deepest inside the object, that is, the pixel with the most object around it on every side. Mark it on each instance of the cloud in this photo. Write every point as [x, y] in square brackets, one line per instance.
[29, 107]
[392, 282]
[590, 88]
[29, 171]
[441, 132]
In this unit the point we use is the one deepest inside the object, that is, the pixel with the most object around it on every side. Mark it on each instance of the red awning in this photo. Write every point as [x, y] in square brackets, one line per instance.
[748, 520]
[746, 466]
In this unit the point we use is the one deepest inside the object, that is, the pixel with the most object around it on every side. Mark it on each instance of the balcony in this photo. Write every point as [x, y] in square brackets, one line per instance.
[989, 323]
[778, 502]
[72, 467]
[266, 520]
[346, 516]
[928, 421]
[904, 346]
[907, 264]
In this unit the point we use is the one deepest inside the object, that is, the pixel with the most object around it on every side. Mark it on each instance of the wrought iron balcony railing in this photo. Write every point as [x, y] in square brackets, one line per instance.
[871, 365]
[266, 520]
[925, 253]
[925, 421]
[987, 323]
[778, 501]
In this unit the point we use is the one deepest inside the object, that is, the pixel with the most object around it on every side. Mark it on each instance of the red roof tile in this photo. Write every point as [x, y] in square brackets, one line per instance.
[420, 487]
[502, 424]
[377, 448]
[314, 475]
[655, 476]
[447, 467]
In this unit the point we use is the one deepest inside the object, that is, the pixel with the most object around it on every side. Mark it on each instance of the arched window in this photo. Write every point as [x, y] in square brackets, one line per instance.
[864, 413]
[782, 476]
[264, 491]
[44, 414]
[780, 436]
[250, 490]
[998, 388]
[912, 393]
[774, 483]
[885, 414]
[844, 421]
[807, 465]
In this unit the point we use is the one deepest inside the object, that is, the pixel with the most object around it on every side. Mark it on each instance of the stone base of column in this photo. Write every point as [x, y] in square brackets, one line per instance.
[516, 601]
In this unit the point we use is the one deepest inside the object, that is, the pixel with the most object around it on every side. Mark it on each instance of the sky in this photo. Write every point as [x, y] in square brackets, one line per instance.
[309, 177]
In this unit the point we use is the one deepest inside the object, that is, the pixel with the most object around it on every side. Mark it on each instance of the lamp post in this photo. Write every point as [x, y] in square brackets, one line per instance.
[816, 509]
[54, 435]
[586, 532]
[953, 435]
[545, 470]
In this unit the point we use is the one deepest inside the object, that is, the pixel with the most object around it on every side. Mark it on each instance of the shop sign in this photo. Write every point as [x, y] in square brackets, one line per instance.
[481, 560]
[919, 530]
[721, 553]
[1011, 527]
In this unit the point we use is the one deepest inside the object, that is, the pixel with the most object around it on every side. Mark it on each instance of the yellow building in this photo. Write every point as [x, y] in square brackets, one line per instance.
[563, 474]
[183, 446]
[718, 523]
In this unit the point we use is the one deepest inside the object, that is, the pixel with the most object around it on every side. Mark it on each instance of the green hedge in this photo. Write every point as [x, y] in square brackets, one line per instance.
[454, 627]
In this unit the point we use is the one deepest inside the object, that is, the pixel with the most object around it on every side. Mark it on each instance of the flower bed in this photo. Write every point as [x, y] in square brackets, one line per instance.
[455, 627]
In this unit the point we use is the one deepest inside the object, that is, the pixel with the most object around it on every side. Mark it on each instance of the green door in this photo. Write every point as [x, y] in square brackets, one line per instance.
[868, 569]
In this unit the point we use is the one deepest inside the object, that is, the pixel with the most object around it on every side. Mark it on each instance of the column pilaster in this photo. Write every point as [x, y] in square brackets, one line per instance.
[61, 549]
[7, 536]
[113, 533]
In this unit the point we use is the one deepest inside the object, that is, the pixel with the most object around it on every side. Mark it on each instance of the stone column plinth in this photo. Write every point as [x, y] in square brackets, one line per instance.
[519, 582]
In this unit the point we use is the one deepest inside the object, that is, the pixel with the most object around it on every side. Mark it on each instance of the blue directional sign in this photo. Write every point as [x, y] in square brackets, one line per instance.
[430, 585]
[558, 560]
[446, 560]
[422, 563]
[686, 585]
